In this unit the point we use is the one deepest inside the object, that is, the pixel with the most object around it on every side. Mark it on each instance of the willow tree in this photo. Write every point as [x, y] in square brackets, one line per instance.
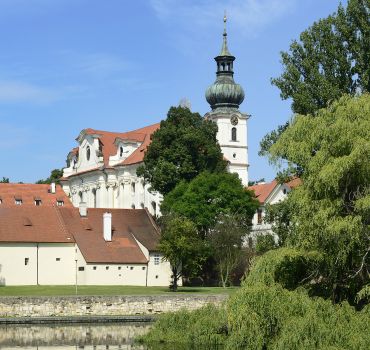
[331, 209]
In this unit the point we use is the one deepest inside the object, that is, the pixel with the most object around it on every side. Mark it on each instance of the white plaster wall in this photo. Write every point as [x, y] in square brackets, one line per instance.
[53, 272]
[159, 275]
[110, 274]
[13, 270]
[113, 190]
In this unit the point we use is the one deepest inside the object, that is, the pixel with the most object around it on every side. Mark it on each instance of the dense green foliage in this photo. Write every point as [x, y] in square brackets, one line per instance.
[181, 247]
[209, 195]
[330, 210]
[55, 176]
[264, 243]
[267, 316]
[331, 58]
[183, 146]
[4, 180]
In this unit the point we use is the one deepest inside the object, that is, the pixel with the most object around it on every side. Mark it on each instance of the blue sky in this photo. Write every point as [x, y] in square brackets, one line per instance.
[118, 65]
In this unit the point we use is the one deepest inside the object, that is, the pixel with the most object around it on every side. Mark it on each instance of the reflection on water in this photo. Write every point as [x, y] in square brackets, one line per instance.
[107, 336]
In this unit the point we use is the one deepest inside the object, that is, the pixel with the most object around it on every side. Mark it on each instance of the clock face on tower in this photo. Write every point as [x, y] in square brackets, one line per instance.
[234, 120]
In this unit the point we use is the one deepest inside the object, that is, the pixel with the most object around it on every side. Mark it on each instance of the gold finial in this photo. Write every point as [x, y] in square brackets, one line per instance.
[225, 16]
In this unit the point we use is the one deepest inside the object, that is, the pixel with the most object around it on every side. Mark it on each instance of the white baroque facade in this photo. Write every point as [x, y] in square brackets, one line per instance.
[101, 171]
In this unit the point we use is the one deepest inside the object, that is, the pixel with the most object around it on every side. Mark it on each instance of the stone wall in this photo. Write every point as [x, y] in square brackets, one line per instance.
[102, 305]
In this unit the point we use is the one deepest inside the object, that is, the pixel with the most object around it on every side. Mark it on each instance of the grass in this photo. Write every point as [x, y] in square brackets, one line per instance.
[107, 290]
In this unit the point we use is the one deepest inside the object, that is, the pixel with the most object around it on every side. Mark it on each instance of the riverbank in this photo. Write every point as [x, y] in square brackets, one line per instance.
[108, 306]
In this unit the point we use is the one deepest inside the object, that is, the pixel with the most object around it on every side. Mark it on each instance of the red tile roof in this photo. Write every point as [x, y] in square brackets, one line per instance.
[127, 224]
[263, 190]
[29, 192]
[33, 224]
[109, 148]
[43, 224]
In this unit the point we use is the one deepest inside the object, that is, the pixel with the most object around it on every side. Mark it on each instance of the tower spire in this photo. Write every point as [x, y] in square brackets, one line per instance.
[225, 50]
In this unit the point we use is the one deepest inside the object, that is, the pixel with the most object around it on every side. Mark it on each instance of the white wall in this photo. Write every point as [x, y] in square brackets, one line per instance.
[13, 270]
[159, 274]
[110, 274]
[56, 264]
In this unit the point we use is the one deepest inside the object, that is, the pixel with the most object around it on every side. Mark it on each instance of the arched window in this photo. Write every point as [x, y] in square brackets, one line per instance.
[233, 134]
[88, 153]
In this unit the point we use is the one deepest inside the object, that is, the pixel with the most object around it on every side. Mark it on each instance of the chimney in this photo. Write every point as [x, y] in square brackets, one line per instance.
[107, 226]
[83, 209]
[52, 187]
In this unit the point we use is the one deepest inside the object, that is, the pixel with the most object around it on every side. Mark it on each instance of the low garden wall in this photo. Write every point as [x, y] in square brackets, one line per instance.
[103, 305]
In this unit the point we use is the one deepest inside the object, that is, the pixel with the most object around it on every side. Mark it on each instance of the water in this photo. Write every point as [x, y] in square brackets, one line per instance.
[106, 336]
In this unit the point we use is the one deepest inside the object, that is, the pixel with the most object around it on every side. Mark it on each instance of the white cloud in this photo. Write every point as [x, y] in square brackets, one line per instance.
[247, 16]
[17, 91]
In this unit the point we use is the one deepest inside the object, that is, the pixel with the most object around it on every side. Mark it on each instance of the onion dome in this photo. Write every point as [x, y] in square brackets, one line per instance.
[224, 92]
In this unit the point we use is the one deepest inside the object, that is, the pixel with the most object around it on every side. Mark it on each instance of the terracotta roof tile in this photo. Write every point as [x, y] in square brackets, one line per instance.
[127, 223]
[109, 148]
[28, 193]
[262, 191]
[64, 225]
[32, 224]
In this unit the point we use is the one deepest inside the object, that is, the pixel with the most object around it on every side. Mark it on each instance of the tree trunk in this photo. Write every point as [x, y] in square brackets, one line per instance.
[174, 279]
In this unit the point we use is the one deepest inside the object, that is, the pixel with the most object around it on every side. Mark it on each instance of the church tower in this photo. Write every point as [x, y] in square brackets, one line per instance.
[224, 97]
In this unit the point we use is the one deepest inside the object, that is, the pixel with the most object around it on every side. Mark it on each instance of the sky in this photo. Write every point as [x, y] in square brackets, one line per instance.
[118, 65]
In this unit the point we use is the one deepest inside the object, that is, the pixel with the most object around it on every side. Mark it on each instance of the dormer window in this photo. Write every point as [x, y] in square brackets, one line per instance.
[18, 201]
[121, 151]
[88, 153]
[38, 202]
[60, 203]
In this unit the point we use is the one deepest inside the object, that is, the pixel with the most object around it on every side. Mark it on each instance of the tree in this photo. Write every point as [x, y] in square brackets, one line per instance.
[209, 195]
[278, 215]
[226, 240]
[181, 148]
[332, 58]
[55, 176]
[331, 212]
[4, 180]
[181, 247]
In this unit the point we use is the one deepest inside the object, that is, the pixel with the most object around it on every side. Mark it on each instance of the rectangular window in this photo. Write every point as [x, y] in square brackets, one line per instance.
[57, 259]
[259, 216]
[81, 268]
[131, 267]
[37, 202]
[94, 267]
[119, 267]
[107, 267]
[60, 203]
[157, 259]
[1, 201]
[26, 261]
[143, 268]
[18, 202]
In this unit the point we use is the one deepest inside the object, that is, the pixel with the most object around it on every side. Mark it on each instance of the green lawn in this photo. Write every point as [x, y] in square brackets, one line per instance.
[107, 290]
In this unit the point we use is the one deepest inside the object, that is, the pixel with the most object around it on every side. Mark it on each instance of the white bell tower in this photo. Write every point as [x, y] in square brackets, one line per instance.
[225, 96]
